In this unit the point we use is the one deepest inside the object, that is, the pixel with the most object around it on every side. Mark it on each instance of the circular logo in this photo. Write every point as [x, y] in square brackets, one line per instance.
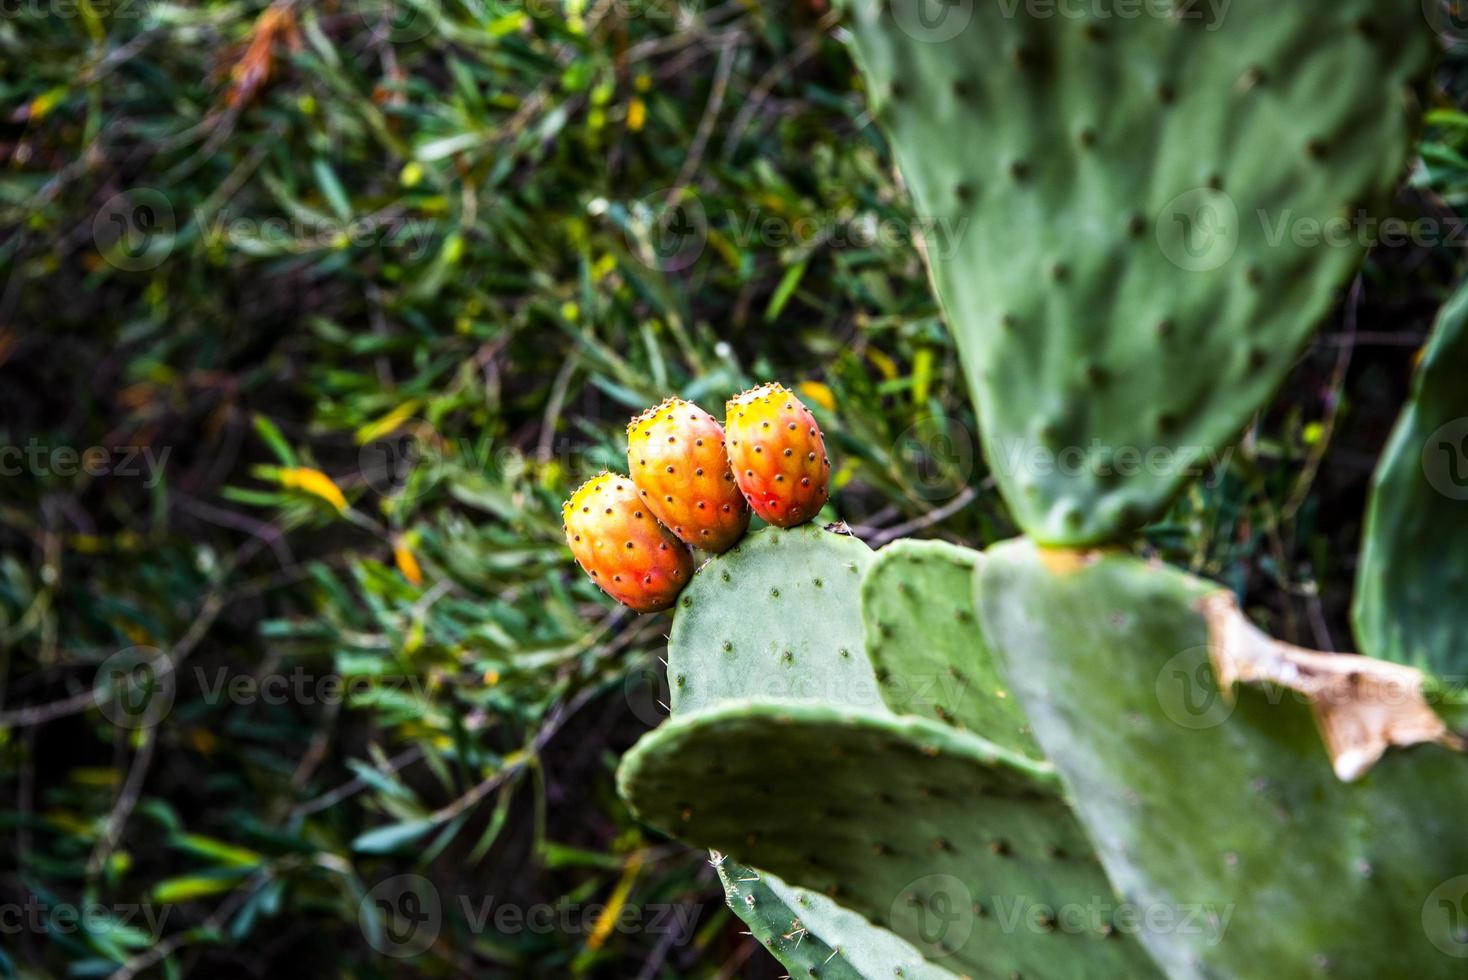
[938, 454]
[941, 910]
[134, 688]
[399, 21]
[403, 463]
[134, 230]
[1445, 917]
[647, 694]
[1449, 18]
[402, 916]
[1445, 459]
[932, 21]
[671, 236]
[1188, 694]
[1198, 231]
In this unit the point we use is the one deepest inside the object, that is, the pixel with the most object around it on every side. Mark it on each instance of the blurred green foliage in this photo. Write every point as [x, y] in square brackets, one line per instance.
[311, 316]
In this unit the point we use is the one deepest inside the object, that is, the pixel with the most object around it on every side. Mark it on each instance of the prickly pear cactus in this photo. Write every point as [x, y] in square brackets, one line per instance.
[1223, 818]
[960, 847]
[1413, 578]
[1112, 209]
[917, 604]
[812, 935]
[778, 616]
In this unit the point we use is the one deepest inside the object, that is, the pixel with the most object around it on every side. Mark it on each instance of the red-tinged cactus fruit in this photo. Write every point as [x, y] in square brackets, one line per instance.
[619, 543]
[777, 454]
[676, 455]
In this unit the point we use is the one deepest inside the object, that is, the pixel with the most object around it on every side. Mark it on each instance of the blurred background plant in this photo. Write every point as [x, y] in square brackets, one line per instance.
[311, 316]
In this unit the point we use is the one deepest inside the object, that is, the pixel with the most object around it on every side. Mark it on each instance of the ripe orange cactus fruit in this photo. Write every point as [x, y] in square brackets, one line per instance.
[777, 454]
[677, 458]
[621, 545]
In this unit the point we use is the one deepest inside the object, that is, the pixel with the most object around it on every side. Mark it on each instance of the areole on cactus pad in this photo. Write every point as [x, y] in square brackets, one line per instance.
[1110, 208]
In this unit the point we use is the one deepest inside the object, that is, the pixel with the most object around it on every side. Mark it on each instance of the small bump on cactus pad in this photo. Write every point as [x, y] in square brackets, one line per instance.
[1412, 587]
[622, 546]
[961, 848]
[778, 454]
[1224, 815]
[675, 453]
[923, 638]
[776, 616]
[1112, 210]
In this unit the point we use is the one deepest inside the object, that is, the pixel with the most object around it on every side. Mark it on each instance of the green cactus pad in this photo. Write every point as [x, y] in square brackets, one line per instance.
[1224, 819]
[778, 615]
[1123, 217]
[1410, 590]
[960, 847]
[917, 604]
[784, 919]
[776, 925]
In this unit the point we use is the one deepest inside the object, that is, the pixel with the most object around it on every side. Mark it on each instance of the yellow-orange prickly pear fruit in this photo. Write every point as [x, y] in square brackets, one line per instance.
[676, 455]
[622, 547]
[777, 454]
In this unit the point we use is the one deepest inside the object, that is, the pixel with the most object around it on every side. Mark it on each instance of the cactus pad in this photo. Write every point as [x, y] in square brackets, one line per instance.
[1410, 589]
[917, 601]
[962, 848]
[778, 615]
[1223, 817]
[1123, 217]
[785, 920]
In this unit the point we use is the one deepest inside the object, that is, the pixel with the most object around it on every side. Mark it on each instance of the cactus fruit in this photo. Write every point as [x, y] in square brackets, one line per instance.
[1409, 604]
[777, 454]
[675, 453]
[1201, 805]
[917, 605]
[1115, 212]
[776, 616]
[961, 848]
[622, 547]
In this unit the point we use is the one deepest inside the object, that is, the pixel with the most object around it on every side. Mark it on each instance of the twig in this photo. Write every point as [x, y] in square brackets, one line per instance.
[706, 125]
[966, 497]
